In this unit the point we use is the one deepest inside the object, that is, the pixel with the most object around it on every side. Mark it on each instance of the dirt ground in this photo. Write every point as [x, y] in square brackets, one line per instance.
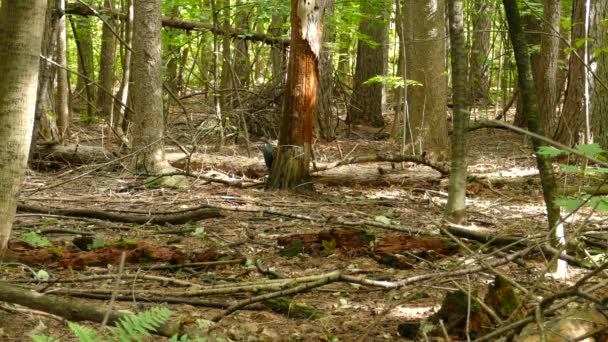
[504, 198]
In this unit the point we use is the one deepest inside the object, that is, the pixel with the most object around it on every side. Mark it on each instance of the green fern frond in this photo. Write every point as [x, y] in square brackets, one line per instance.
[43, 338]
[135, 327]
[84, 334]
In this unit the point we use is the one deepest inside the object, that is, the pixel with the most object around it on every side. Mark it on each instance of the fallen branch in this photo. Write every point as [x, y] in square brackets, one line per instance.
[194, 214]
[384, 157]
[82, 10]
[329, 278]
[69, 309]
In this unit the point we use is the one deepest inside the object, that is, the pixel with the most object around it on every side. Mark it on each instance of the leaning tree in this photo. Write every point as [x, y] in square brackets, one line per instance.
[21, 29]
[290, 167]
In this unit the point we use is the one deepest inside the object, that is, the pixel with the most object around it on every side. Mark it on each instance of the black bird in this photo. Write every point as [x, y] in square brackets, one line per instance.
[268, 152]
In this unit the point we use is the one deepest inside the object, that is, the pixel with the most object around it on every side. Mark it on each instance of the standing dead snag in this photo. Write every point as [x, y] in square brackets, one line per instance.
[290, 167]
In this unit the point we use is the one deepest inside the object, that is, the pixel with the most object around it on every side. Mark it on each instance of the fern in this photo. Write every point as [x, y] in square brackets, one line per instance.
[43, 338]
[84, 334]
[135, 327]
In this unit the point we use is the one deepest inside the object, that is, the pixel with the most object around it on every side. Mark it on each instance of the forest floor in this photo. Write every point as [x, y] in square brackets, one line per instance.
[504, 199]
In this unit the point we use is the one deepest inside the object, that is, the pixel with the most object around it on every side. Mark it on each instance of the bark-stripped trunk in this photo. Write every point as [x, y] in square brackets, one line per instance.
[365, 106]
[290, 169]
[21, 31]
[148, 121]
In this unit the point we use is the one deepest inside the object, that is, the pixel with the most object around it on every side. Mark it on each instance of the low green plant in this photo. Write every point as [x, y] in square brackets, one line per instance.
[35, 240]
[128, 328]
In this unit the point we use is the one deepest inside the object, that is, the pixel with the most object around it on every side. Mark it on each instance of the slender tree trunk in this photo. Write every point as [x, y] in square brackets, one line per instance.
[324, 114]
[572, 115]
[148, 121]
[173, 51]
[107, 59]
[86, 65]
[290, 169]
[226, 76]
[598, 106]
[277, 53]
[425, 64]
[62, 95]
[119, 113]
[480, 52]
[344, 64]
[530, 107]
[45, 125]
[242, 66]
[455, 210]
[532, 29]
[21, 31]
[546, 82]
[365, 106]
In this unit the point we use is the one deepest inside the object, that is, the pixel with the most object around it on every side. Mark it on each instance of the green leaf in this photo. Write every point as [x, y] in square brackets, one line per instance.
[35, 240]
[43, 338]
[328, 245]
[569, 204]
[84, 334]
[382, 219]
[42, 275]
[590, 150]
[550, 151]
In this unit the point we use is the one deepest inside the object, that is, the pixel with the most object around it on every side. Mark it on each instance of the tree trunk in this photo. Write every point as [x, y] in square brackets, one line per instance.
[532, 30]
[530, 107]
[546, 81]
[325, 119]
[242, 66]
[62, 108]
[173, 51]
[119, 113]
[290, 167]
[107, 58]
[148, 121]
[455, 210]
[480, 53]
[365, 106]
[425, 63]
[598, 106]
[45, 124]
[21, 31]
[83, 36]
[226, 76]
[277, 53]
[573, 115]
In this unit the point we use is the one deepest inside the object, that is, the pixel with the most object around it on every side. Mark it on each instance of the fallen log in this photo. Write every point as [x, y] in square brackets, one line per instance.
[70, 309]
[179, 217]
